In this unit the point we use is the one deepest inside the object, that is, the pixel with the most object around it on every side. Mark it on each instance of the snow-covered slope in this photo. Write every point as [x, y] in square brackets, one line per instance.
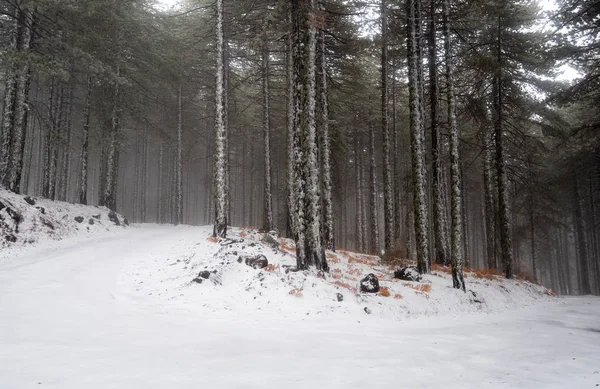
[119, 310]
[25, 220]
[168, 275]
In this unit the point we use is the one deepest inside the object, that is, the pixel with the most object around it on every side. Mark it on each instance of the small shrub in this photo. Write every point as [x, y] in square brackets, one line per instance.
[423, 288]
[213, 239]
[272, 268]
[398, 296]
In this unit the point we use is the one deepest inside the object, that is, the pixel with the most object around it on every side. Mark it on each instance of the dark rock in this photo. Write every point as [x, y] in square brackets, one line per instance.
[125, 221]
[29, 200]
[97, 217]
[252, 244]
[79, 219]
[258, 262]
[42, 210]
[112, 216]
[409, 273]
[367, 310]
[340, 297]
[47, 223]
[91, 222]
[240, 259]
[271, 241]
[11, 238]
[204, 274]
[198, 280]
[2, 206]
[369, 284]
[475, 299]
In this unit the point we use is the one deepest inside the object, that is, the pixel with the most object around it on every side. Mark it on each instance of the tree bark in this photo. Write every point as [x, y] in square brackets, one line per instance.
[388, 201]
[220, 158]
[179, 164]
[268, 195]
[417, 140]
[581, 242]
[374, 249]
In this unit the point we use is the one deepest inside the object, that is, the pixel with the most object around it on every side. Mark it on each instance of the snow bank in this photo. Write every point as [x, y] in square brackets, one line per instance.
[227, 284]
[26, 220]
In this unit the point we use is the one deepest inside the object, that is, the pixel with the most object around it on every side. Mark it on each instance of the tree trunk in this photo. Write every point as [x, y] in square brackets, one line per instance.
[373, 225]
[268, 196]
[388, 201]
[441, 250]
[455, 177]
[292, 122]
[315, 253]
[360, 239]
[179, 164]
[109, 198]
[581, 243]
[83, 175]
[417, 141]
[220, 158]
[325, 147]
[502, 181]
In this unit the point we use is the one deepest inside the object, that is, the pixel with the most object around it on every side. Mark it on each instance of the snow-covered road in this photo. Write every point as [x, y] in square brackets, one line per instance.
[66, 322]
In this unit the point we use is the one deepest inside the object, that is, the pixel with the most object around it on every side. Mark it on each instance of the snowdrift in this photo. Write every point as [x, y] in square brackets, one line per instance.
[25, 220]
[217, 276]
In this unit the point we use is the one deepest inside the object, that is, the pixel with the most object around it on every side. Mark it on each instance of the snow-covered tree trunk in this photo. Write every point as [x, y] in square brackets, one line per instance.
[220, 157]
[417, 141]
[226, 74]
[388, 200]
[10, 97]
[292, 120]
[179, 164]
[268, 196]
[441, 250]
[315, 252]
[455, 176]
[488, 188]
[109, 198]
[325, 146]
[374, 249]
[83, 174]
[502, 181]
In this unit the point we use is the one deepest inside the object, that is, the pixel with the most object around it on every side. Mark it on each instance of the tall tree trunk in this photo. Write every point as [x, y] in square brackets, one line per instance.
[325, 147]
[388, 201]
[268, 195]
[159, 203]
[397, 170]
[83, 175]
[441, 250]
[66, 147]
[455, 177]
[488, 187]
[55, 134]
[109, 198]
[360, 239]
[179, 164]
[145, 158]
[315, 252]
[292, 122]
[220, 158]
[502, 181]
[531, 211]
[417, 141]
[374, 249]
[581, 242]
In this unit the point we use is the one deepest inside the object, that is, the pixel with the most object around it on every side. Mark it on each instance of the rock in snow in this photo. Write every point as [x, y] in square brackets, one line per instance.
[257, 262]
[369, 284]
[409, 273]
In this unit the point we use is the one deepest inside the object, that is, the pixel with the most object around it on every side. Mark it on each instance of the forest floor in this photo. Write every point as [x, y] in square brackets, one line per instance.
[120, 309]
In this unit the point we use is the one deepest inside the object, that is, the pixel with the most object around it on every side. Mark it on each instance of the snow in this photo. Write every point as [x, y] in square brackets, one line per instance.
[119, 310]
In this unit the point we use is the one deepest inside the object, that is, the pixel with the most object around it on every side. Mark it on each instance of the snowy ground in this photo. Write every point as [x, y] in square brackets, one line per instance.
[119, 310]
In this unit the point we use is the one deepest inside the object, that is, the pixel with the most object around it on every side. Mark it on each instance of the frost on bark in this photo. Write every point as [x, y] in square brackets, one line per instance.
[388, 201]
[109, 196]
[83, 175]
[441, 249]
[16, 114]
[292, 121]
[374, 249]
[66, 147]
[488, 187]
[502, 181]
[315, 252]
[397, 170]
[220, 152]
[417, 140]
[455, 177]
[325, 146]
[179, 164]
[10, 94]
[268, 196]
